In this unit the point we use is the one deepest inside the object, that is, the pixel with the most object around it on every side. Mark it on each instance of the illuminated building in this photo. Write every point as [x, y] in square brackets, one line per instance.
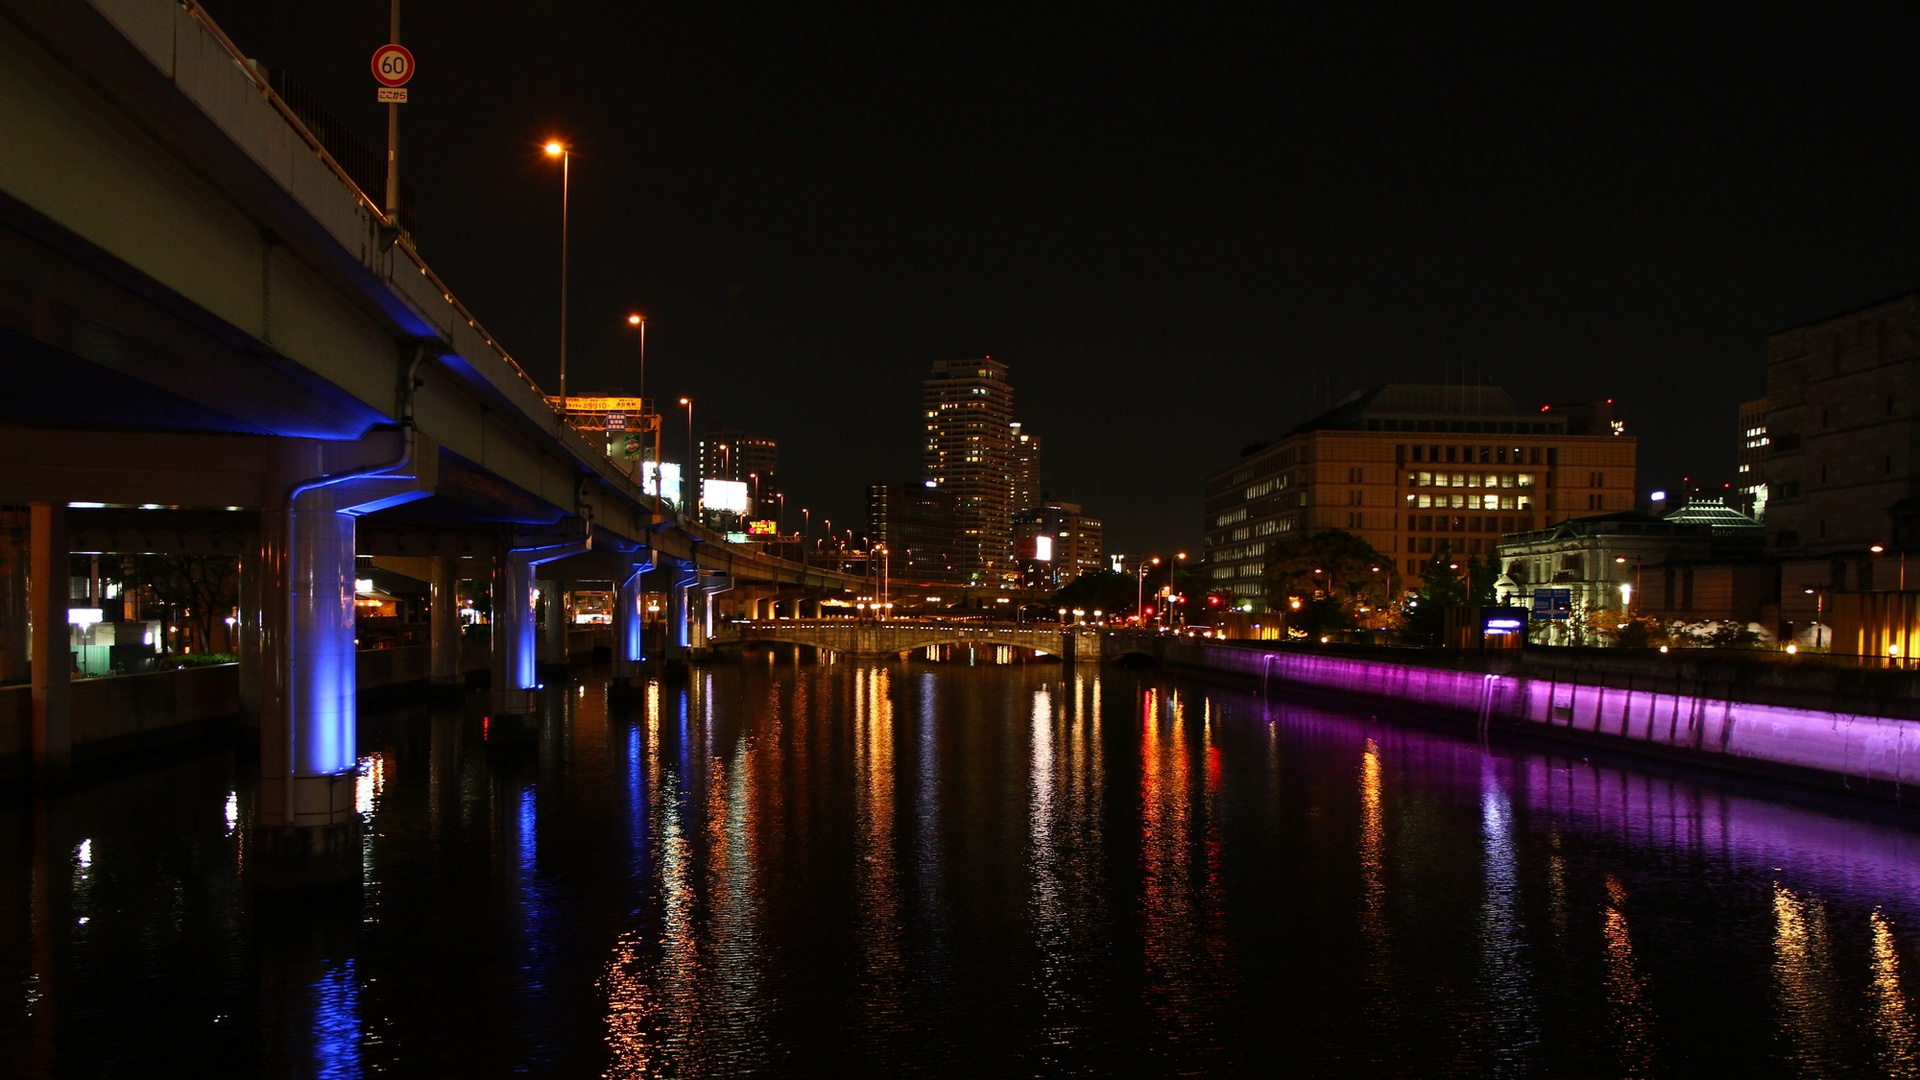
[1419, 473]
[1751, 459]
[967, 454]
[1055, 543]
[1025, 468]
[918, 525]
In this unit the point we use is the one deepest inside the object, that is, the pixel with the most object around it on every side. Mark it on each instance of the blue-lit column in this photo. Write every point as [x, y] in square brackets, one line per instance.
[514, 636]
[679, 639]
[306, 828]
[628, 619]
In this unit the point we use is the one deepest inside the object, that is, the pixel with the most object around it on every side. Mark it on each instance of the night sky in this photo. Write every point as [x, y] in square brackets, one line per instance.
[1184, 232]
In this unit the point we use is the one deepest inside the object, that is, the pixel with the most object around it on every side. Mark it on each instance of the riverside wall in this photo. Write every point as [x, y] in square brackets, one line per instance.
[1830, 727]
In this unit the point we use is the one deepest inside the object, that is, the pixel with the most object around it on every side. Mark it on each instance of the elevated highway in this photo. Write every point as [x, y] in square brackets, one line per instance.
[208, 331]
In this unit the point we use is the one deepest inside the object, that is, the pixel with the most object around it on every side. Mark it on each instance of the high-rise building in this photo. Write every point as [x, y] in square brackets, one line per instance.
[743, 458]
[1842, 426]
[1025, 449]
[1418, 472]
[1056, 542]
[919, 528]
[1751, 495]
[967, 454]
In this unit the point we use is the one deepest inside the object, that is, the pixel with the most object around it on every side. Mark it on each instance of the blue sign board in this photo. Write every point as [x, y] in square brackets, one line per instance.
[1553, 603]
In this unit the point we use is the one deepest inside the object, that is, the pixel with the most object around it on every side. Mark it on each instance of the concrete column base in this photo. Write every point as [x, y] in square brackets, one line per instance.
[305, 856]
[515, 702]
[516, 730]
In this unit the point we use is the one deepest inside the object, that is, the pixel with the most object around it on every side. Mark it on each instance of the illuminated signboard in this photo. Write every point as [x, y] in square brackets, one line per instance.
[1502, 621]
[760, 528]
[736, 538]
[724, 495]
[669, 477]
[1043, 549]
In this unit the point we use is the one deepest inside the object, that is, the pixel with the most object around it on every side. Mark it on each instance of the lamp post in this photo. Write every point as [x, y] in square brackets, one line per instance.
[1880, 549]
[1819, 614]
[557, 149]
[1633, 599]
[1140, 600]
[690, 469]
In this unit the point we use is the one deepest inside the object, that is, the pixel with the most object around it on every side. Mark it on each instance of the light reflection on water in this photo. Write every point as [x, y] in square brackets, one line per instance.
[902, 869]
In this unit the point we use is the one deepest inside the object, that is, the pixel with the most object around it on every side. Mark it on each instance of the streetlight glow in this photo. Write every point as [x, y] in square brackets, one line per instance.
[555, 148]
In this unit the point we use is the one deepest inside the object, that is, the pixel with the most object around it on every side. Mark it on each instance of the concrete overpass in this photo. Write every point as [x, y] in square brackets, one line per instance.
[209, 332]
[869, 638]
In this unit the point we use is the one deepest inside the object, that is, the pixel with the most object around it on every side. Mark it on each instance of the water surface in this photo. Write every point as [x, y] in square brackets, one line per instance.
[946, 870]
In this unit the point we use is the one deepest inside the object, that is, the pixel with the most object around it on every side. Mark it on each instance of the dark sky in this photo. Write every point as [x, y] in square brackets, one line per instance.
[1183, 231]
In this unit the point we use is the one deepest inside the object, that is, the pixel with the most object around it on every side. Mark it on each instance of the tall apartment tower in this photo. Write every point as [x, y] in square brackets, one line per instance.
[1026, 468]
[968, 454]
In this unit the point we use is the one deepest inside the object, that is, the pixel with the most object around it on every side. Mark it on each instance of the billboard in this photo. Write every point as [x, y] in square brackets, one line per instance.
[1042, 549]
[669, 477]
[724, 495]
[761, 528]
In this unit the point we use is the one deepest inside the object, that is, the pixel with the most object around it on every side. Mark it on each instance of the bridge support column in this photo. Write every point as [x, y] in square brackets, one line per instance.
[443, 623]
[678, 625]
[15, 528]
[247, 649]
[629, 650]
[515, 677]
[515, 629]
[305, 829]
[51, 740]
[553, 625]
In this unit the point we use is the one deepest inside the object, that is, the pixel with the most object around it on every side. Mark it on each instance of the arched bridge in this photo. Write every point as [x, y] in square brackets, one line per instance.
[898, 637]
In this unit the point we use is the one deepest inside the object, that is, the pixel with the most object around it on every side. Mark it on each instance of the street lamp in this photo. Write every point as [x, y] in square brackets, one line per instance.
[1633, 595]
[690, 469]
[1819, 614]
[1140, 600]
[1879, 549]
[639, 320]
[557, 149]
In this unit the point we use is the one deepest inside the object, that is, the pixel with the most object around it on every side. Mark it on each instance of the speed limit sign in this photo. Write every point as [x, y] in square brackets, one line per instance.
[392, 65]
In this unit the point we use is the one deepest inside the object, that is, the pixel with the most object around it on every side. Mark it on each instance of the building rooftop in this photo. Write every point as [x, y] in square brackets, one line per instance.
[1724, 520]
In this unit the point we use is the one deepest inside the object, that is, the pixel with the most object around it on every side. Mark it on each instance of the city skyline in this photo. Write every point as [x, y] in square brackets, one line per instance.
[1230, 226]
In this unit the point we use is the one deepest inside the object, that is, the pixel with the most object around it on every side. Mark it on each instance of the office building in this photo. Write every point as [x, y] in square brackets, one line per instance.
[1418, 472]
[1056, 542]
[919, 526]
[1025, 468]
[1750, 487]
[1842, 425]
[967, 454]
[745, 459]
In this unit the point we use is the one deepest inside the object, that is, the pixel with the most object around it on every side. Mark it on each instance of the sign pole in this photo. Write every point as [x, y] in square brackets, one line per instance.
[393, 132]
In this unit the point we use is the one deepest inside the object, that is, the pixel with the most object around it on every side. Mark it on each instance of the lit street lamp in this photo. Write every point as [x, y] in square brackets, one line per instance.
[557, 149]
[1140, 600]
[1880, 549]
[689, 469]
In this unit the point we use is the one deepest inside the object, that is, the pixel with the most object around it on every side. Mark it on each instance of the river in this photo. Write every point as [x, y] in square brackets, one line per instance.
[899, 870]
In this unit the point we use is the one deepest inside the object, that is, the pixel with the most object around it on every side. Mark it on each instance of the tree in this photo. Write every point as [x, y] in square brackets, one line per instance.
[1448, 582]
[203, 588]
[1332, 574]
[1100, 590]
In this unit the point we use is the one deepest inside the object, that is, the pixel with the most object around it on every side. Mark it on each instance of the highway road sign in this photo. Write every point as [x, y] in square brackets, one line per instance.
[392, 95]
[392, 65]
[1552, 603]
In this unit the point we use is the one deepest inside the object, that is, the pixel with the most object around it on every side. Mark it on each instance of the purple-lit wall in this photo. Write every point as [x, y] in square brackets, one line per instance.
[1843, 744]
